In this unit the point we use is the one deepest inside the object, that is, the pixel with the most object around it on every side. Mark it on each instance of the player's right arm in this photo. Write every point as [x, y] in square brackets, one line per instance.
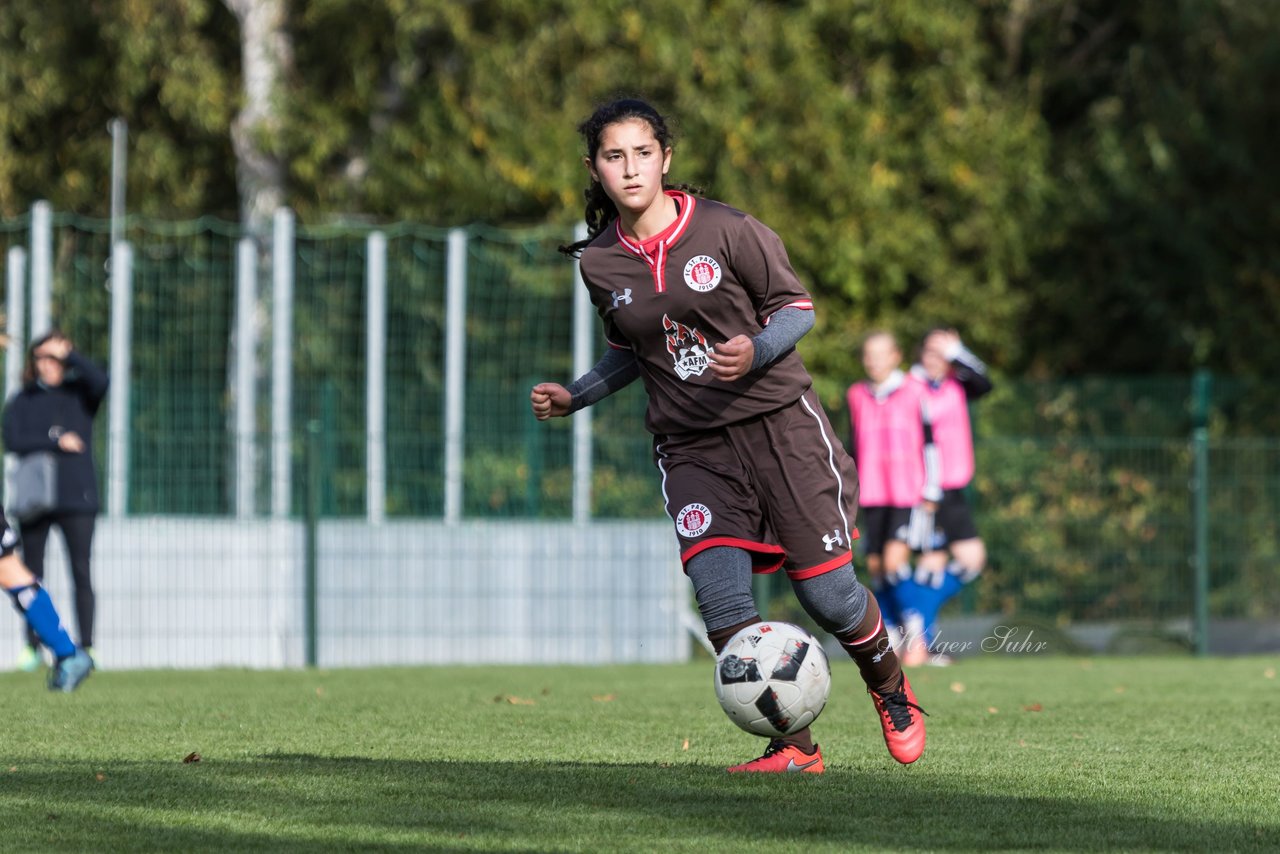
[968, 369]
[616, 370]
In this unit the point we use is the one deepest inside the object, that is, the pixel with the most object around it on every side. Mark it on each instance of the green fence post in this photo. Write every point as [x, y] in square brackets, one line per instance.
[1202, 386]
[311, 522]
[328, 447]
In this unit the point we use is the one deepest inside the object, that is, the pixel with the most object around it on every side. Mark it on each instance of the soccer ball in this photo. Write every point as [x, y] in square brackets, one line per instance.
[772, 679]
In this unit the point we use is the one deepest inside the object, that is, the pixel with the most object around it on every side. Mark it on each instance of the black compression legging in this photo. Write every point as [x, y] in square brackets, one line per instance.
[77, 532]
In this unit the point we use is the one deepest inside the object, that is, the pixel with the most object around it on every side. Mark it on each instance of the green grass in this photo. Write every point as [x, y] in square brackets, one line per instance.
[1024, 753]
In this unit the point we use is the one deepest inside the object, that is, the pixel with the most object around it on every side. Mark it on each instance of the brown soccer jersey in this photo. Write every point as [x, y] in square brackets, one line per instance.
[716, 273]
[751, 464]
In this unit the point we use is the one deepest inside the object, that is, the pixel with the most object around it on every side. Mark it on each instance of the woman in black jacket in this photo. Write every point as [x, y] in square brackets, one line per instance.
[54, 411]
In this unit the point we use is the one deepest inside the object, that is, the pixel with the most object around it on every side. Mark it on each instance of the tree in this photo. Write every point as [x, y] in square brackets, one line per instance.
[266, 56]
[67, 69]
[1069, 180]
[870, 135]
[1162, 251]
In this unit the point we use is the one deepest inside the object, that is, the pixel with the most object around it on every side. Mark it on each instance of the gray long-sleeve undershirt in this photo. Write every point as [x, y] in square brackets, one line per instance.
[786, 328]
[618, 368]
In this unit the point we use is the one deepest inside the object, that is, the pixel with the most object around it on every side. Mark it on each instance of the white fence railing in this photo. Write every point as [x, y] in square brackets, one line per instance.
[179, 592]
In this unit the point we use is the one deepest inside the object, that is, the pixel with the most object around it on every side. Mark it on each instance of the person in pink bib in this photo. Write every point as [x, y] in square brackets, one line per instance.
[888, 430]
[949, 377]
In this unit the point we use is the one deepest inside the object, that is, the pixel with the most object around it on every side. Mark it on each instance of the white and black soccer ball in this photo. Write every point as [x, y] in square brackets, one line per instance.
[773, 679]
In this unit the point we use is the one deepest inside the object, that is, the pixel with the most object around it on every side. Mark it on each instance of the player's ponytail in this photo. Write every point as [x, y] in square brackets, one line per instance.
[600, 211]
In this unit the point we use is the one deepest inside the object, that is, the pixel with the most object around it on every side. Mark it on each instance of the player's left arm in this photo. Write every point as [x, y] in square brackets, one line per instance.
[783, 306]
[741, 354]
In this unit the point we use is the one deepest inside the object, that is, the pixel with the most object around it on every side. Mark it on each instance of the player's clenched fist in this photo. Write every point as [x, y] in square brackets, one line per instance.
[549, 400]
[732, 360]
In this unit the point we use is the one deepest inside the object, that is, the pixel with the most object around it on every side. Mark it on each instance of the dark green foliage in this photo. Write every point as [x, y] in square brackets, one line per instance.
[1080, 186]
[1162, 250]
[67, 69]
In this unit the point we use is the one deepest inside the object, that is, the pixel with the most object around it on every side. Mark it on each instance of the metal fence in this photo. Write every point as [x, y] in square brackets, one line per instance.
[394, 363]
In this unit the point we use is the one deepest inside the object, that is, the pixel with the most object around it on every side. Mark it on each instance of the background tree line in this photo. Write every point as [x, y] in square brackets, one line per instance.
[1081, 186]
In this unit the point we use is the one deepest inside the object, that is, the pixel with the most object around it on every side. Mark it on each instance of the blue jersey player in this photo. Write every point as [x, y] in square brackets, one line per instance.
[72, 665]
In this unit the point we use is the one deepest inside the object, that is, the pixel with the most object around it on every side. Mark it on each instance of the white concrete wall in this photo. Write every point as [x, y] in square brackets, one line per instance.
[196, 592]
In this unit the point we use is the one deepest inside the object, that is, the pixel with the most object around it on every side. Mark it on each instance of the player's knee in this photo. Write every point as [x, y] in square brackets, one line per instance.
[971, 555]
[874, 565]
[896, 555]
[835, 600]
[932, 561]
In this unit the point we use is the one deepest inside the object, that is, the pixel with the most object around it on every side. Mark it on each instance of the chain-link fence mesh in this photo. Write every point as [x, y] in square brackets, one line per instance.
[1084, 491]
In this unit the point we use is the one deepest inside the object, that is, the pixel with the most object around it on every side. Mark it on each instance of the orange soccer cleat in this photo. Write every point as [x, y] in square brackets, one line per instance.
[902, 721]
[780, 758]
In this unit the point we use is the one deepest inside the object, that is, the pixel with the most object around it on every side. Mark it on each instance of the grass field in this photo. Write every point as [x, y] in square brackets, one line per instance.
[1024, 753]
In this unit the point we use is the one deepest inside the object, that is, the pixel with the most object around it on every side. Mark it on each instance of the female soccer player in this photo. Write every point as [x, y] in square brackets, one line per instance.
[699, 301]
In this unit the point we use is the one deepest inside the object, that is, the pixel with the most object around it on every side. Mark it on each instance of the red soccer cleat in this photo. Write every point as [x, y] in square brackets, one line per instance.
[902, 721]
[780, 758]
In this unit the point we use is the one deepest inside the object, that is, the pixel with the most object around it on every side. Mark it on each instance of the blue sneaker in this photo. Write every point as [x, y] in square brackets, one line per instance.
[69, 672]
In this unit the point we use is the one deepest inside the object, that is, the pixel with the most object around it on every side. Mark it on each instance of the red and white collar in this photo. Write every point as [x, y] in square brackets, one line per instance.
[656, 257]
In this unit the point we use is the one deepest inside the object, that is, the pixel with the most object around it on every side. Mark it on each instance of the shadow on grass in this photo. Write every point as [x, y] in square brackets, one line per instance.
[288, 802]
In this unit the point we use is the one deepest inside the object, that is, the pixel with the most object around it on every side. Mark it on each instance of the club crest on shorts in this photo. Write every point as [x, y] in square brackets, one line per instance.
[693, 520]
[687, 346]
[702, 273]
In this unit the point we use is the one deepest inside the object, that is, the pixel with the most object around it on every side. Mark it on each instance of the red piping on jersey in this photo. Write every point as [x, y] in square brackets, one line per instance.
[657, 260]
[804, 304]
[834, 563]
[747, 545]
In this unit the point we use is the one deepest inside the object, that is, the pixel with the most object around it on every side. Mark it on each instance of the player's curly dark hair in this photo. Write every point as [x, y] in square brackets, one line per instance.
[600, 209]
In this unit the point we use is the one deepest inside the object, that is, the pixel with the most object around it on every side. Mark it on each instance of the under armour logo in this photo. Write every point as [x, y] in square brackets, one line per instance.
[833, 539]
[624, 298]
